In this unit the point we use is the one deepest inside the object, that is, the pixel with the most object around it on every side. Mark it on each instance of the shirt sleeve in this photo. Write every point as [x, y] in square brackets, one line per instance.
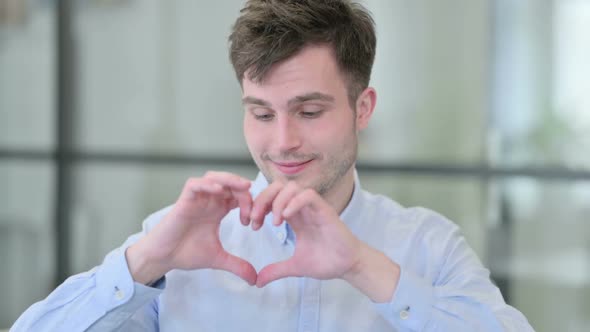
[457, 296]
[103, 299]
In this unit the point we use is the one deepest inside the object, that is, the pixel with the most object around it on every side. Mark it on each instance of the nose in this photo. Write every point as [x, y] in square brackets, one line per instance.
[288, 135]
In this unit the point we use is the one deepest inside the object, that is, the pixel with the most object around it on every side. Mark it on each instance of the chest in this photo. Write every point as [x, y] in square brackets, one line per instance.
[218, 301]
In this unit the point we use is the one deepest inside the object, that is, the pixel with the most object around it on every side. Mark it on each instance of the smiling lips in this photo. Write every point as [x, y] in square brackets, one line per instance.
[291, 167]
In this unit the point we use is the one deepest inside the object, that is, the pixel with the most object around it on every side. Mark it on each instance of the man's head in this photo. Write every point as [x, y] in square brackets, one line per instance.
[304, 67]
[271, 31]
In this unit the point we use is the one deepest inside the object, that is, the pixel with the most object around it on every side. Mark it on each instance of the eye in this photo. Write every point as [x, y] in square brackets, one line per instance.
[310, 111]
[311, 115]
[262, 114]
[264, 117]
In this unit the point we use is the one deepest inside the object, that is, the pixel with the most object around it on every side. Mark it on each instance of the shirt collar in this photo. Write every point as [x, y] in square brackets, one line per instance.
[354, 206]
[283, 233]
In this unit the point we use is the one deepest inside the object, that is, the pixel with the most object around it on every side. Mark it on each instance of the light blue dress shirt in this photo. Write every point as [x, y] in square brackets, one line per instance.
[442, 287]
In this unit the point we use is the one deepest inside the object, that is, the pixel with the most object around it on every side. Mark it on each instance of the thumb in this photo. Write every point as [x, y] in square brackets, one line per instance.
[276, 271]
[237, 266]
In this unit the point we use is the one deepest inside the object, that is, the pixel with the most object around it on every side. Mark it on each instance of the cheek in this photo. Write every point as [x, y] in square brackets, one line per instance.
[248, 128]
[254, 135]
[331, 132]
[341, 141]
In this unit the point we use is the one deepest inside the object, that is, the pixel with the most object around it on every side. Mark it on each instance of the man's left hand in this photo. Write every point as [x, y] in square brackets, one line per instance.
[326, 248]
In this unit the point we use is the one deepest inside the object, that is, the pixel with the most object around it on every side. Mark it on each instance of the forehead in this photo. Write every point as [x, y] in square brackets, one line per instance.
[313, 69]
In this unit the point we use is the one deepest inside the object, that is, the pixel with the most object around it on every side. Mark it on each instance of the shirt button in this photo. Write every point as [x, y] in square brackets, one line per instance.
[404, 314]
[281, 236]
[119, 294]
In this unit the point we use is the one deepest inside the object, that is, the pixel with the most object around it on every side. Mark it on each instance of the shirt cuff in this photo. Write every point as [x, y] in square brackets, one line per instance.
[412, 303]
[115, 285]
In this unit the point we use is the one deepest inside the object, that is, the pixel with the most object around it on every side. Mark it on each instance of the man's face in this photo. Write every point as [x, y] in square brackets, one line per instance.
[298, 122]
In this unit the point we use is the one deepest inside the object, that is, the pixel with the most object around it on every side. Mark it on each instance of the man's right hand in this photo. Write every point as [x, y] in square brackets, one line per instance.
[187, 238]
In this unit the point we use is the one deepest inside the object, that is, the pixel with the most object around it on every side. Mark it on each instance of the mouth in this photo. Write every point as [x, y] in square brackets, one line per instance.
[291, 167]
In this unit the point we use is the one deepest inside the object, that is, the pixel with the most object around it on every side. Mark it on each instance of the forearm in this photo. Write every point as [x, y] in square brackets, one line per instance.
[375, 275]
[459, 297]
[106, 294]
[141, 266]
[467, 301]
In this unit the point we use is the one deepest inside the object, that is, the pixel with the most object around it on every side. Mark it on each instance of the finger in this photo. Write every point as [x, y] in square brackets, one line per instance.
[234, 199]
[244, 202]
[230, 180]
[282, 199]
[263, 204]
[276, 271]
[237, 266]
[239, 187]
[232, 203]
[194, 186]
[305, 198]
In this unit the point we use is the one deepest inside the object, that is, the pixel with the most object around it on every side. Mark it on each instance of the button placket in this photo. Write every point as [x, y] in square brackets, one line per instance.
[310, 305]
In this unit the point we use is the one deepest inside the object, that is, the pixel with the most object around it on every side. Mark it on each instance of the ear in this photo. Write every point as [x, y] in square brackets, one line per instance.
[365, 105]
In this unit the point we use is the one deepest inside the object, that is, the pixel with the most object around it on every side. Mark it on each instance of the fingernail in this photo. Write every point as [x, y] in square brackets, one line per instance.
[287, 212]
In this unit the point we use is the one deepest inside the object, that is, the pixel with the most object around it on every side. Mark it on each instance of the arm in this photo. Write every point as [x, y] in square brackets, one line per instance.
[114, 296]
[455, 295]
[460, 297]
[104, 296]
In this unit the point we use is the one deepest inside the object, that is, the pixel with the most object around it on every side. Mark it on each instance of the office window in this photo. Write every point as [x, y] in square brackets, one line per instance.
[27, 183]
[482, 115]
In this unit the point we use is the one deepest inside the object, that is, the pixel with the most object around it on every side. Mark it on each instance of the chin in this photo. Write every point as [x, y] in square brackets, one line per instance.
[286, 178]
[297, 178]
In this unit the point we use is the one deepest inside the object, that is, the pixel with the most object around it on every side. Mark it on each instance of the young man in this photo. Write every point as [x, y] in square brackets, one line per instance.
[303, 247]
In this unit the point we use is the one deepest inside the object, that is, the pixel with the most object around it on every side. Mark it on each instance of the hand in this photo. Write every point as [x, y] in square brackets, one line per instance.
[325, 249]
[188, 236]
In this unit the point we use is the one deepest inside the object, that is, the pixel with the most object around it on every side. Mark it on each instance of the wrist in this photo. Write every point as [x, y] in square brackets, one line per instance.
[374, 274]
[142, 269]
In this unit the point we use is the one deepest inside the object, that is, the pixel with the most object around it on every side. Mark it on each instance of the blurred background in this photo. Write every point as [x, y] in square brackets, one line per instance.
[107, 106]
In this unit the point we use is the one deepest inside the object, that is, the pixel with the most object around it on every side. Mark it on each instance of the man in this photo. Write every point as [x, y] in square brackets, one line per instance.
[303, 247]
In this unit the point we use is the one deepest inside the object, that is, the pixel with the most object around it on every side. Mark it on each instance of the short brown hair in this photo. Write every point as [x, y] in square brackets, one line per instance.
[270, 31]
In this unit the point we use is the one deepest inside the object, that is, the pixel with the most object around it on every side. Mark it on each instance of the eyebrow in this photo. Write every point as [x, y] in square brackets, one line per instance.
[310, 96]
[295, 100]
[255, 101]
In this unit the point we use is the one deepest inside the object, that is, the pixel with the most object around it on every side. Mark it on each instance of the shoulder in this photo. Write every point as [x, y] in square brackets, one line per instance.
[417, 219]
[416, 237]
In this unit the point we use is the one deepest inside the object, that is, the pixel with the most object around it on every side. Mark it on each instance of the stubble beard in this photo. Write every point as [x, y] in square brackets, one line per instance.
[329, 176]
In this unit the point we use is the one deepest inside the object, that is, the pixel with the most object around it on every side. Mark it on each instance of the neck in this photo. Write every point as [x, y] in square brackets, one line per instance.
[339, 195]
